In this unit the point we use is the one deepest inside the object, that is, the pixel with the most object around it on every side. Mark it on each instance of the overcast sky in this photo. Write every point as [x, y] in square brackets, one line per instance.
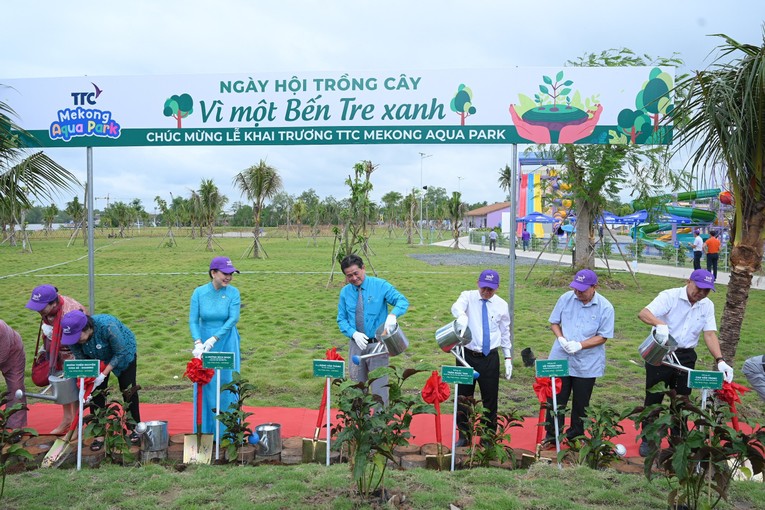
[46, 39]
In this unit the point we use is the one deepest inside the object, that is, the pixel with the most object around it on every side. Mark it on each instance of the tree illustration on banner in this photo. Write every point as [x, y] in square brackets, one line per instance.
[462, 103]
[179, 107]
[652, 104]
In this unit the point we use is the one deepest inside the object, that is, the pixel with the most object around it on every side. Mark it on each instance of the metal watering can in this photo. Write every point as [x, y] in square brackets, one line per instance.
[657, 354]
[393, 343]
[449, 340]
[63, 390]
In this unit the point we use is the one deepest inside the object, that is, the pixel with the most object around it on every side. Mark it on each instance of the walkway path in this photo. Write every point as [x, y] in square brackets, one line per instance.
[616, 264]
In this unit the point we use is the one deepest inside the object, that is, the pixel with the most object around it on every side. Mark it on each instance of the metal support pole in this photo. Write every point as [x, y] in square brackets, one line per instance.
[511, 252]
[91, 247]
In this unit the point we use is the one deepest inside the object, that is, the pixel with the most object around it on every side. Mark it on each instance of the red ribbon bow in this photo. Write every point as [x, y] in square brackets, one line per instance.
[730, 394]
[332, 355]
[543, 389]
[196, 373]
[434, 392]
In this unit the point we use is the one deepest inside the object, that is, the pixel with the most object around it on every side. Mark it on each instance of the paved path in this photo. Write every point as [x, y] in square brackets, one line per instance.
[616, 264]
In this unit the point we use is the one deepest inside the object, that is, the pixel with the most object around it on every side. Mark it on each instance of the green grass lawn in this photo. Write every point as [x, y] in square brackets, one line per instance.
[289, 307]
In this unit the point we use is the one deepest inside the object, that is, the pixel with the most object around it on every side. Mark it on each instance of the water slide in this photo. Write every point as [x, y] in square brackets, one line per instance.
[696, 215]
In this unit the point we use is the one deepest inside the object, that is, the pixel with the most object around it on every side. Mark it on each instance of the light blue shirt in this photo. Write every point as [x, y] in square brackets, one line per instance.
[377, 295]
[578, 323]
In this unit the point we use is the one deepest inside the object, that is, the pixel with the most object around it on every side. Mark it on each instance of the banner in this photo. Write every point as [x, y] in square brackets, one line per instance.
[597, 105]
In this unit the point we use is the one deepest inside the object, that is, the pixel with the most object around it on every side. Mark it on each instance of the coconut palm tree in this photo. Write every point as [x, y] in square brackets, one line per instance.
[25, 178]
[723, 120]
[212, 202]
[258, 183]
[49, 216]
[298, 213]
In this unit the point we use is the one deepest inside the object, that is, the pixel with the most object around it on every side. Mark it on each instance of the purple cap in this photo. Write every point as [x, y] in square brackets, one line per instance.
[223, 264]
[41, 296]
[703, 279]
[583, 280]
[489, 278]
[72, 325]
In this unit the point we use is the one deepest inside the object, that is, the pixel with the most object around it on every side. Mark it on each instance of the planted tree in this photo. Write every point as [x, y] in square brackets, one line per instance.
[211, 203]
[258, 183]
[724, 126]
[456, 208]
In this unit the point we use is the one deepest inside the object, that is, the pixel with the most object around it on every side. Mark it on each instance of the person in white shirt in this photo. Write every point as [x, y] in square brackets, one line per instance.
[488, 317]
[684, 313]
[698, 249]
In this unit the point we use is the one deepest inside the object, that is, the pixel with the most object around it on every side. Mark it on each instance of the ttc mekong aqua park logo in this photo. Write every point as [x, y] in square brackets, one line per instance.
[84, 121]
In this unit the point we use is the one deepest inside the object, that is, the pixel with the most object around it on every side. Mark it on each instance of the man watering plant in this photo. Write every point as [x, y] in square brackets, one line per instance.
[361, 309]
[683, 313]
[104, 337]
[489, 320]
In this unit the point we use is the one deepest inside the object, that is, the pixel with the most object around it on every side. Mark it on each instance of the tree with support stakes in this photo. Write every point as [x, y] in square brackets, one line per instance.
[211, 205]
[258, 183]
[721, 119]
[456, 208]
[167, 217]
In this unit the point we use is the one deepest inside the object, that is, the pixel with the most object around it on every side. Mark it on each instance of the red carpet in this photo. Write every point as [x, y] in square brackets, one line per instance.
[301, 422]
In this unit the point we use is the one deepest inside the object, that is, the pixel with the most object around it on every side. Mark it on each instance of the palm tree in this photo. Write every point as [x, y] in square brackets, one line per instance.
[49, 216]
[24, 178]
[456, 208]
[212, 203]
[258, 183]
[298, 212]
[505, 180]
[725, 123]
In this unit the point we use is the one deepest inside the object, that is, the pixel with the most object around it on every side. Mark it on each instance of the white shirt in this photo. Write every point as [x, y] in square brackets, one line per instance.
[471, 304]
[698, 245]
[685, 321]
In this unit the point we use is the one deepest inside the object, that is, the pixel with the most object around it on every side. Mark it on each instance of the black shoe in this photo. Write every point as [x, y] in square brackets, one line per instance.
[645, 448]
[461, 442]
[548, 443]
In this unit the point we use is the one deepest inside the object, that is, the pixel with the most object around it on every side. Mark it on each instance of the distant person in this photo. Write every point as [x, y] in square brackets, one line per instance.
[525, 238]
[105, 338]
[213, 316]
[361, 309]
[489, 320]
[683, 313]
[754, 370]
[12, 365]
[698, 249]
[712, 249]
[52, 306]
[582, 321]
[493, 240]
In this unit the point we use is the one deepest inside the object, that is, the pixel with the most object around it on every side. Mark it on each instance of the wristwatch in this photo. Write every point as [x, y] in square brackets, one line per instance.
[717, 360]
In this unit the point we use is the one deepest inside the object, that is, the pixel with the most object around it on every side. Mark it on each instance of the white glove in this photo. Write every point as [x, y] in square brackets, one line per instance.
[462, 324]
[199, 348]
[390, 323]
[361, 340]
[661, 333]
[563, 342]
[47, 330]
[573, 347]
[508, 369]
[726, 370]
[209, 343]
[99, 380]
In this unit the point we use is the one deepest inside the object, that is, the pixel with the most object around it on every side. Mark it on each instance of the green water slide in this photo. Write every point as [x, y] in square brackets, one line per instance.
[693, 213]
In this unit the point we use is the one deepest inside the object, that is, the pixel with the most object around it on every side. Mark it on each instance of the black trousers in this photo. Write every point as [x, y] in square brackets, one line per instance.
[488, 383]
[126, 379]
[493, 244]
[712, 259]
[581, 387]
[673, 378]
[697, 259]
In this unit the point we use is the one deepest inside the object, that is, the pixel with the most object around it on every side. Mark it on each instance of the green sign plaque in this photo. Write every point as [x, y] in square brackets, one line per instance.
[81, 368]
[705, 380]
[552, 368]
[328, 368]
[218, 360]
[457, 375]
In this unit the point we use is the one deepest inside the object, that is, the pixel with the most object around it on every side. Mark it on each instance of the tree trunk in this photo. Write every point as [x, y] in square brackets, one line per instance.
[745, 260]
[585, 237]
